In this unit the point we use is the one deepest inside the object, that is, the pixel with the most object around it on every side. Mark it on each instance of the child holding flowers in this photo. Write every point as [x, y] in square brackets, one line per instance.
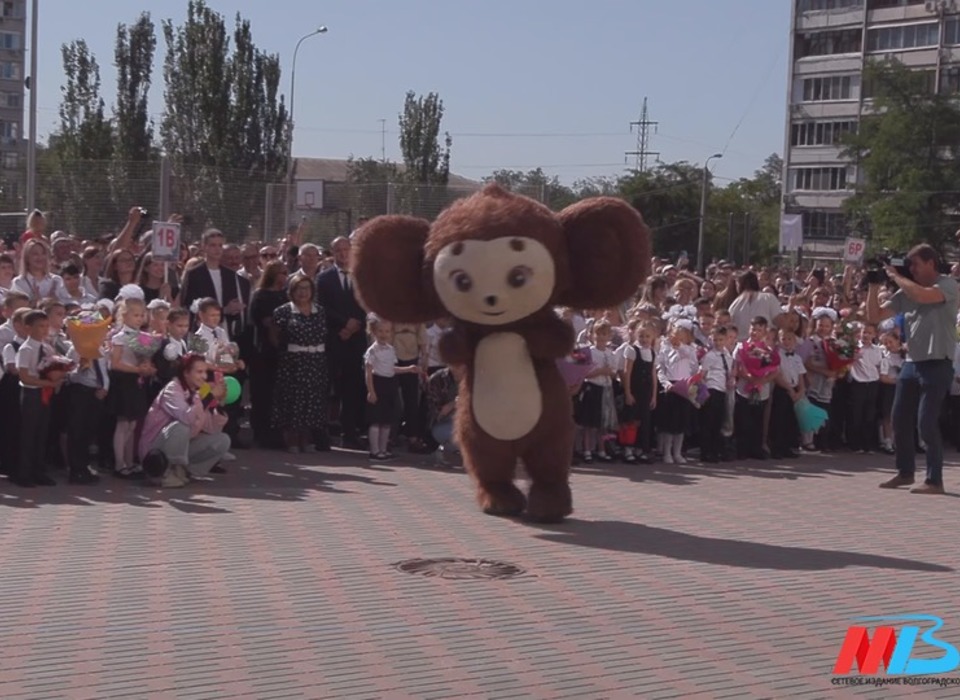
[677, 362]
[130, 367]
[757, 366]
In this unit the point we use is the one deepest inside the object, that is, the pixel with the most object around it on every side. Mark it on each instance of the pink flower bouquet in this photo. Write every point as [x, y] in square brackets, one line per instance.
[760, 361]
[841, 352]
[576, 366]
[53, 367]
[144, 344]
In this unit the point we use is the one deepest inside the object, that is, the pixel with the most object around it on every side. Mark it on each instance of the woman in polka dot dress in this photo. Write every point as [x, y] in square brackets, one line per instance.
[300, 392]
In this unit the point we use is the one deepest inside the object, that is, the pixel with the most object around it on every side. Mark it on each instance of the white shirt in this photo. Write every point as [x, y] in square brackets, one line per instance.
[382, 358]
[10, 352]
[86, 297]
[38, 288]
[433, 346]
[174, 349]
[716, 366]
[7, 334]
[745, 387]
[744, 309]
[890, 364]
[217, 278]
[818, 386]
[866, 368]
[602, 358]
[622, 354]
[28, 358]
[791, 367]
[215, 338]
[122, 340]
[676, 363]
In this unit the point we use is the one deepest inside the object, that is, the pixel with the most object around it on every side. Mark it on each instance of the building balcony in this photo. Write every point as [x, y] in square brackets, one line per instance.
[911, 58]
[824, 110]
[831, 200]
[834, 63]
[830, 19]
[899, 14]
[816, 155]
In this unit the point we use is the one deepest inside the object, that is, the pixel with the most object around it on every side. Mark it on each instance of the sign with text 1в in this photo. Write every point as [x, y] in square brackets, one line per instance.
[166, 241]
[853, 250]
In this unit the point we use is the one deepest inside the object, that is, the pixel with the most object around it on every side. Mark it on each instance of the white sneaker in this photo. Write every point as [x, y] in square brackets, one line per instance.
[171, 480]
[182, 473]
[228, 457]
[668, 458]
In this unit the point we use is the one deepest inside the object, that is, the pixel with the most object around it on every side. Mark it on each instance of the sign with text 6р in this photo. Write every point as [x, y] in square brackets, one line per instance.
[166, 241]
[853, 250]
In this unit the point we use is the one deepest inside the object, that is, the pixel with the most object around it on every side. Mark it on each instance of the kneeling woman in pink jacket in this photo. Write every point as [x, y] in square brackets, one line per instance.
[185, 427]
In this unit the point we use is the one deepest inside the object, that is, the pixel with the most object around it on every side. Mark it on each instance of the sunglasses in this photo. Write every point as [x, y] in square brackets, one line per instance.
[268, 256]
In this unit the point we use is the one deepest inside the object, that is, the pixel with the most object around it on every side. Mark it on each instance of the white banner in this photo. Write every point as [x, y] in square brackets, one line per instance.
[791, 233]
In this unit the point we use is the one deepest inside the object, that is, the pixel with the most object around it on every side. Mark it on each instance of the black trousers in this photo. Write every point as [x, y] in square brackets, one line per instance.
[748, 427]
[862, 415]
[821, 439]
[83, 426]
[644, 416]
[838, 414]
[9, 424]
[410, 396]
[784, 434]
[263, 375]
[34, 426]
[711, 425]
[350, 386]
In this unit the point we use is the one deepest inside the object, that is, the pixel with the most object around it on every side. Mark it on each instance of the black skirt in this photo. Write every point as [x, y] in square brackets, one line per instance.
[384, 411]
[127, 398]
[673, 413]
[588, 408]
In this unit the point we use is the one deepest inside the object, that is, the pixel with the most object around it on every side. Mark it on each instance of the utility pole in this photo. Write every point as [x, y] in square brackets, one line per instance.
[643, 140]
[383, 140]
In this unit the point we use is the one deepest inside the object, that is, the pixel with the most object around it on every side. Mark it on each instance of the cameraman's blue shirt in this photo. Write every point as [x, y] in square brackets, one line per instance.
[930, 328]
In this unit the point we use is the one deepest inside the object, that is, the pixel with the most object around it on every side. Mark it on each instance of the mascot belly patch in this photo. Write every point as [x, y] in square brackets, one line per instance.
[507, 402]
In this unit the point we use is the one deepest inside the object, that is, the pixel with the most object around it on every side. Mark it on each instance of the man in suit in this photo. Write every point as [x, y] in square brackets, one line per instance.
[233, 293]
[346, 341]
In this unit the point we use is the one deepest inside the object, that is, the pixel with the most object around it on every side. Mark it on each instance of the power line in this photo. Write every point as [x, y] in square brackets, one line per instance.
[643, 139]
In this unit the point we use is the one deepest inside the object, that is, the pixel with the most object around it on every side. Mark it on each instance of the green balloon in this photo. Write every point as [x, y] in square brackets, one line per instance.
[233, 390]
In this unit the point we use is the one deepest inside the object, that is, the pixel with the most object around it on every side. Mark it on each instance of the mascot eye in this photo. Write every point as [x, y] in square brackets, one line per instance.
[517, 277]
[462, 281]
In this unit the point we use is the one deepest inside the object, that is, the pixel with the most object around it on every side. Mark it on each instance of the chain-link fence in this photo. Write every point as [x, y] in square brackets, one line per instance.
[91, 199]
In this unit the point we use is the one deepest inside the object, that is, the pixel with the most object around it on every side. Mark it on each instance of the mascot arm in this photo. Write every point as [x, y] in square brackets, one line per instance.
[549, 338]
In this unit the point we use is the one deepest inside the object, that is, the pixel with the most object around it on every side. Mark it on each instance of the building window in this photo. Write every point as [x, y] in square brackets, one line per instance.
[12, 9]
[829, 42]
[950, 80]
[11, 161]
[9, 70]
[10, 99]
[815, 5]
[904, 36]
[834, 87]
[9, 132]
[820, 133]
[882, 4]
[9, 40]
[924, 83]
[951, 32]
[824, 224]
[819, 179]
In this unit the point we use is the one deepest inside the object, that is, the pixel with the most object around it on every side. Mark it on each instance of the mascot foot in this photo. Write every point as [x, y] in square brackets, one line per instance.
[549, 503]
[502, 499]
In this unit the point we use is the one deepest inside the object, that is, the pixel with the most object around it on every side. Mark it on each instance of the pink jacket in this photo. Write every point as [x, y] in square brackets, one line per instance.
[174, 404]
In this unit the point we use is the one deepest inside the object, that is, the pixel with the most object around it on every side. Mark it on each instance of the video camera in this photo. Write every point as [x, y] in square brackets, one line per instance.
[876, 274]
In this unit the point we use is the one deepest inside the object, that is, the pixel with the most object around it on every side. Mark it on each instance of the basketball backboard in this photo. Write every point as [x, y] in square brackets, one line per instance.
[310, 194]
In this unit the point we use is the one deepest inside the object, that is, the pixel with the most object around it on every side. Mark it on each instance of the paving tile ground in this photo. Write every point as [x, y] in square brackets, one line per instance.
[277, 580]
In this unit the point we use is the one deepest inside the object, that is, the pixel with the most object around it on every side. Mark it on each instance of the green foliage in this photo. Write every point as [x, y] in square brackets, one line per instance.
[537, 185]
[425, 162]
[907, 152]
[370, 182]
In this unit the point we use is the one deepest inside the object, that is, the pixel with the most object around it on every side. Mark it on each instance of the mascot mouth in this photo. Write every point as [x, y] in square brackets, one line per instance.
[494, 313]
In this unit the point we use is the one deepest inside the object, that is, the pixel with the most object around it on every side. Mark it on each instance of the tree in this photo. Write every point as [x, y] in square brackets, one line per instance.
[907, 151]
[425, 162]
[369, 183]
[81, 148]
[224, 123]
[133, 127]
[668, 198]
[537, 185]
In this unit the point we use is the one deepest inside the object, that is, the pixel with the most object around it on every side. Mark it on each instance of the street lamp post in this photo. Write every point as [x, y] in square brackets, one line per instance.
[32, 142]
[293, 75]
[701, 260]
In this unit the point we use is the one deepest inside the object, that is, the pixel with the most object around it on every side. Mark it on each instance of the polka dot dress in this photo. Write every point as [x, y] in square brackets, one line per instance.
[300, 394]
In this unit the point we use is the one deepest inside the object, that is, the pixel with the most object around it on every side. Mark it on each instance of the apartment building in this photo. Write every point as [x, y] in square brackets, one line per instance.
[831, 41]
[13, 31]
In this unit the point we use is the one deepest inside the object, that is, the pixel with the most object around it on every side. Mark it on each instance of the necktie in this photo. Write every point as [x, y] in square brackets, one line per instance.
[726, 367]
[789, 354]
[41, 354]
[99, 372]
[346, 283]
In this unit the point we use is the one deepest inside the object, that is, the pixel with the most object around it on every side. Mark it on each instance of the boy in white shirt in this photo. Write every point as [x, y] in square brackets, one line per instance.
[789, 387]
[715, 366]
[864, 388]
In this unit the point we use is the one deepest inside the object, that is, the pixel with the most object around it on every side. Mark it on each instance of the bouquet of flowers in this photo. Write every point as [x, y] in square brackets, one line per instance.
[87, 331]
[144, 344]
[841, 352]
[227, 354]
[576, 366]
[693, 389]
[53, 367]
[760, 361]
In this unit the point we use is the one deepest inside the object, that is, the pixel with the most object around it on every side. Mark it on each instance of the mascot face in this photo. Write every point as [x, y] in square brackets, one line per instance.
[494, 282]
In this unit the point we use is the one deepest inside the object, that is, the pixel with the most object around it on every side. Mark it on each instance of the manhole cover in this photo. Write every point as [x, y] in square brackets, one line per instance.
[461, 569]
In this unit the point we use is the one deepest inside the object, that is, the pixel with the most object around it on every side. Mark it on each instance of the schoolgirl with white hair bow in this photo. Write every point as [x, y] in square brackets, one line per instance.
[676, 361]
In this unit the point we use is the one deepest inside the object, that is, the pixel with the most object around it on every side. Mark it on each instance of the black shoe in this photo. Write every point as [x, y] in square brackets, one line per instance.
[217, 469]
[44, 480]
[22, 482]
[83, 478]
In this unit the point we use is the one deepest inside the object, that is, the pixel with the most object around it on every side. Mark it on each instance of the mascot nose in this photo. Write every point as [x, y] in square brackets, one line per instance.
[490, 300]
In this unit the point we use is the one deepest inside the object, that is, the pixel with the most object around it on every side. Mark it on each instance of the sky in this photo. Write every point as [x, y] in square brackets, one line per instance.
[525, 83]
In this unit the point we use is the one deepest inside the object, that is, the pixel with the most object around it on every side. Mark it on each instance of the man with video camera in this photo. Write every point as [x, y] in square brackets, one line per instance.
[928, 301]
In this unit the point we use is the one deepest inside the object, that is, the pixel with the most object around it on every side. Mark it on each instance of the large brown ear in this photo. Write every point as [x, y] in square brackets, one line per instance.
[393, 281]
[609, 252]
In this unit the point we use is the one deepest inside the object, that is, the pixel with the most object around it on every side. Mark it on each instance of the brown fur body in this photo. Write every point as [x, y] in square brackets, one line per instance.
[600, 250]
